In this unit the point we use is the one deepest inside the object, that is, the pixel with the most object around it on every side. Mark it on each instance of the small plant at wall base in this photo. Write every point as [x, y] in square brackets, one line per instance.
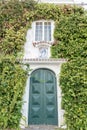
[71, 43]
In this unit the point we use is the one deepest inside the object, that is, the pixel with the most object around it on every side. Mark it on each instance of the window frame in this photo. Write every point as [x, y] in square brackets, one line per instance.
[43, 28]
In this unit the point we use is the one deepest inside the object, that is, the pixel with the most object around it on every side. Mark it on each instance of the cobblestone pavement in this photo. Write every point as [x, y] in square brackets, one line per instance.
[41, 127]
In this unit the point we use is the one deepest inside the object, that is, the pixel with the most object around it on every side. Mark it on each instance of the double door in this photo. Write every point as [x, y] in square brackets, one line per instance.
[43, 98]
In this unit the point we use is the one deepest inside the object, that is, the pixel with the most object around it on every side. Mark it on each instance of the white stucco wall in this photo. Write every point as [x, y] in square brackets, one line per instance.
[56, 1]
[82, 3]
[31, 56]
[30, 51]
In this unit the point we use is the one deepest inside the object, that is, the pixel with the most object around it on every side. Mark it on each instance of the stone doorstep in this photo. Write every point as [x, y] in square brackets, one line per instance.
[41, 127]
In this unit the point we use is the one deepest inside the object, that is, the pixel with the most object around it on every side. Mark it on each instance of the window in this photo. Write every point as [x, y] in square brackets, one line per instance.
[43, 31]
[38, 31]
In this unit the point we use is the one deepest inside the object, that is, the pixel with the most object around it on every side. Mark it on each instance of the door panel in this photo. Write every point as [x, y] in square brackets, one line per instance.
[43, 98]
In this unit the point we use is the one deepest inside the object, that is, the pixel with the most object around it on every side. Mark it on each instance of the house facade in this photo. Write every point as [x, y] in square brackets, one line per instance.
[42, 98]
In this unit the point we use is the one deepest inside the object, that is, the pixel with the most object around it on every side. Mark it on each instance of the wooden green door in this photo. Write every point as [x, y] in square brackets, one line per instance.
[43, 98]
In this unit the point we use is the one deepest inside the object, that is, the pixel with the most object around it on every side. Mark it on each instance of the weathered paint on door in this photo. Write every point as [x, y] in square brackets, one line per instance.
[43, 98]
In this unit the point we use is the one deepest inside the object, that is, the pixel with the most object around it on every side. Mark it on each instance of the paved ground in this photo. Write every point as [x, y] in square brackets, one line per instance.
[41, 127]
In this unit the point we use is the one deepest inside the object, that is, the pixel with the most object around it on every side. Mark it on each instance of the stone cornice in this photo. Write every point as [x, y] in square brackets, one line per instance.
[42, 61]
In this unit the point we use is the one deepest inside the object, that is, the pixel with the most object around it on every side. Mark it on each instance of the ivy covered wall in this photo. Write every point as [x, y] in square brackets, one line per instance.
[70, 43]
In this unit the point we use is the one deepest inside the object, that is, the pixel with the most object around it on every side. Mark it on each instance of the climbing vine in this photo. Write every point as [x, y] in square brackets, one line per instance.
[73, 82]
[70, 42]
[12, 82]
